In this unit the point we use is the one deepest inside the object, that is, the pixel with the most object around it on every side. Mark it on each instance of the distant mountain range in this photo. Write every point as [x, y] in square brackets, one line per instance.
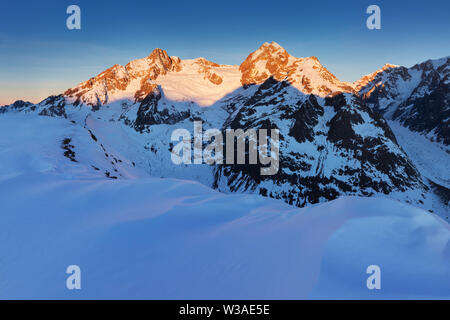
[336, 138]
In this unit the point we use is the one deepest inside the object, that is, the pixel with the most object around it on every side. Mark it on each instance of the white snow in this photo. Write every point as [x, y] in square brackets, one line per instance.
[431, 158]
[173, 239]
[190, 85]
[148, 238]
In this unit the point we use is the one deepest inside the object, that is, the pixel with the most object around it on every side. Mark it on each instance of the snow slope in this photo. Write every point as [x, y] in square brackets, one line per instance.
[173, 239]
[431, 158]
[190, 85]
[148, 238]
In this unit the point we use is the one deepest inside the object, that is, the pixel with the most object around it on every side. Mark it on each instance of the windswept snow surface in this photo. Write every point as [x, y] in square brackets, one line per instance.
[147, 238]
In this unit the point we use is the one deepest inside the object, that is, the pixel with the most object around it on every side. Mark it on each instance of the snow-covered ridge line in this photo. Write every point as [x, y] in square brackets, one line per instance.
[139, 77]
[199, 77]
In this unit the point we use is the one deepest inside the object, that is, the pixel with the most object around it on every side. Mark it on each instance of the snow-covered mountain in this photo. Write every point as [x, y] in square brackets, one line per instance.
[197, 80]
[86, 178]
[329, 147]
[333, 139]
[417, 97]
[202, 81]
[305, 74]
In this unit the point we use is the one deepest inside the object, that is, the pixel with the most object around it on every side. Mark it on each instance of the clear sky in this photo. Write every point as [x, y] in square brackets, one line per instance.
[39, 56]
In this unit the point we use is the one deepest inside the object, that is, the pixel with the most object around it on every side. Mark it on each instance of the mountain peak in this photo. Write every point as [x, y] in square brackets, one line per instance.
[272, 44]
[269, 49]
[158, 53]
[269, 60]
[162, 61]
[389, 66]
[305, 74]
[368, 78]
[99, 89]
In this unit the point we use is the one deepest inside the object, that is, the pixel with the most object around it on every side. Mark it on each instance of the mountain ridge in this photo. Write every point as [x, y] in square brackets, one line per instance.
[269, 60]
[158, 62]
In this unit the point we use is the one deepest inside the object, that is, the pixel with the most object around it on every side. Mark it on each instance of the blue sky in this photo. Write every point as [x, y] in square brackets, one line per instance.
[39, 56]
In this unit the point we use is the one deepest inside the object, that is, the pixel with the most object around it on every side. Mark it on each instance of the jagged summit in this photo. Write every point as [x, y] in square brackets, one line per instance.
[158, 52]
[272, 44]
[308, 75]
[271, 48]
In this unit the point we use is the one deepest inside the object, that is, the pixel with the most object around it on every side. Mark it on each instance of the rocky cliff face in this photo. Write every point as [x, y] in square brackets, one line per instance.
[137, 75]
[328, 147]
